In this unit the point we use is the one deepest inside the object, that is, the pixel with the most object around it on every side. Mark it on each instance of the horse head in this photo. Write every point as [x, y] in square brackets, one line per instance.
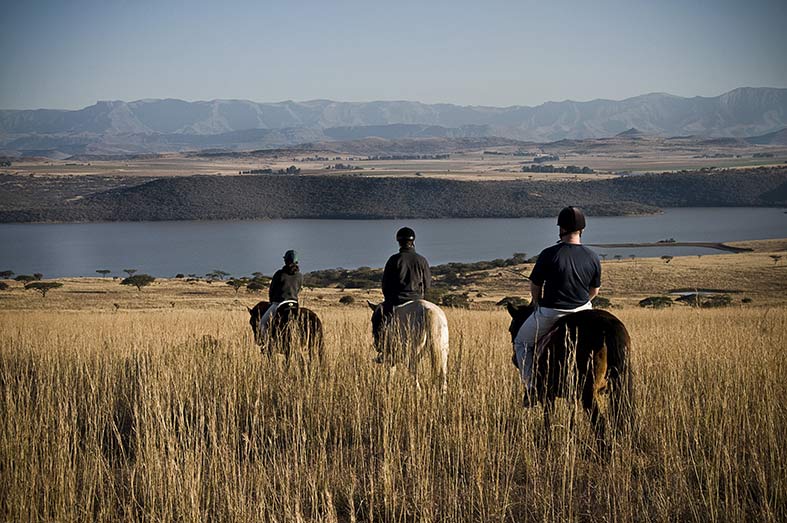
[519, 313]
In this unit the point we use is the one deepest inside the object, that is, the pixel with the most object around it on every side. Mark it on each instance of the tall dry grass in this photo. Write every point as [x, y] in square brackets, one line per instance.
[137, 416]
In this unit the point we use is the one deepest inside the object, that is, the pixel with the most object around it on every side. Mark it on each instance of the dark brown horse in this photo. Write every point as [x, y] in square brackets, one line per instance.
[584, 355]
[291, 327]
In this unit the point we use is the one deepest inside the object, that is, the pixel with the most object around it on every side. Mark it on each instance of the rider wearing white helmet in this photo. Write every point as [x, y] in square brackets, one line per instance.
[565, 278]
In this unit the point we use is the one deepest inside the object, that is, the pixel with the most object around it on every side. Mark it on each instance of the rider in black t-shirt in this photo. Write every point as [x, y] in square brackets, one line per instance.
[566, 277]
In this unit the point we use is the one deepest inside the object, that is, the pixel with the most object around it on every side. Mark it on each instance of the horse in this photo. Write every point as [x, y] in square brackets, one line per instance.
[416, 328]
[290, 327]
[584, 355]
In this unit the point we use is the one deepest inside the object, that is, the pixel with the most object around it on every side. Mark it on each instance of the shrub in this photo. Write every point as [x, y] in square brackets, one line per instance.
[346, 300]
[459, 301]
[255, 286]
[600, 302]
[3, 285]
[25, 278]
[656, 302]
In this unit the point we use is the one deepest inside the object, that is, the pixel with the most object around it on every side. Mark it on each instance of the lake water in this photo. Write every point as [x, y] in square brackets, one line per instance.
[242, 247]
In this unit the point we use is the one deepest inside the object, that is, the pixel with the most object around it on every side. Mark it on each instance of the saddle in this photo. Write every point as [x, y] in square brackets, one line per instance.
[287, 308]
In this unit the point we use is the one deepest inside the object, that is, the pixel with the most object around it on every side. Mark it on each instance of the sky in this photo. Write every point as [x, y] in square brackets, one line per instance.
[68, 54]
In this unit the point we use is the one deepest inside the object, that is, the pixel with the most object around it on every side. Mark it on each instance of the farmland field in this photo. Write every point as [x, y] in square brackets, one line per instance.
[168, 412]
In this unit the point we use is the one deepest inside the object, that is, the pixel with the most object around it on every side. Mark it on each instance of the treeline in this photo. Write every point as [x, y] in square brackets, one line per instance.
[445, 275]
[570, 169]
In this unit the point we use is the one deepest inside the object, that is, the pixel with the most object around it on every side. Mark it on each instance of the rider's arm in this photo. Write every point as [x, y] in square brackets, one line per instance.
[427, 276]
[535, 293]
[390, 278]
[594, 292]
[275, 288]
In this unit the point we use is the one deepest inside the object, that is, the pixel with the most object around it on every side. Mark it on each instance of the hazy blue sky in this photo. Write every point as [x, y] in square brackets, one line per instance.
[70, 53]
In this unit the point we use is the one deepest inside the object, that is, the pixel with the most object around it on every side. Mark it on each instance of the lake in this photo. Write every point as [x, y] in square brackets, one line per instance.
[242, 247]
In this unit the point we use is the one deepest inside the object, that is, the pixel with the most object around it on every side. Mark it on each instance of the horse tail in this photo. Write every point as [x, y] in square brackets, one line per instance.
[436, 327]
[620, 374]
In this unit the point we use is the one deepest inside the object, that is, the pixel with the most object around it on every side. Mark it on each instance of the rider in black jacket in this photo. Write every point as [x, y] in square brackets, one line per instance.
[406, 277]
[285, 286]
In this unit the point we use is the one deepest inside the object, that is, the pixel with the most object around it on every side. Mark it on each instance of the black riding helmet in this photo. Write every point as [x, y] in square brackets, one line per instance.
[571, 219]
[291, 257]
[405, 234]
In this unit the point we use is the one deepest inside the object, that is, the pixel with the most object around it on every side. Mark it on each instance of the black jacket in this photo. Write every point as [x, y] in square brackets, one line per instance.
[406, 277]
[286, 284]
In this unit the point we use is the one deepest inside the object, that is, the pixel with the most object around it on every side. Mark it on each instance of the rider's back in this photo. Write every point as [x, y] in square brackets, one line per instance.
[406, 276]
[568, 272]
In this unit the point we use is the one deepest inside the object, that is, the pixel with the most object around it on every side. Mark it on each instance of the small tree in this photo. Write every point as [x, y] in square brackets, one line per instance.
[103, 272]
[43, 286]
[38, 276]
[25, 278]
[666, 258]
[632, 256]
[130, 272]
[5, 275]
[603, 256]
[618, 257]
[138, 280]
[346, 300]
[3, 285]
[237, 283]
[180, 276]
[219, 275]
[776, 258]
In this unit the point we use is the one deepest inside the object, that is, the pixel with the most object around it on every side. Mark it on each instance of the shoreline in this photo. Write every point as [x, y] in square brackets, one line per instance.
[708, 245]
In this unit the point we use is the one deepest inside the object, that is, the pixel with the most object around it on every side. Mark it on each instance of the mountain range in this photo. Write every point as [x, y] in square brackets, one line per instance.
[118, 127]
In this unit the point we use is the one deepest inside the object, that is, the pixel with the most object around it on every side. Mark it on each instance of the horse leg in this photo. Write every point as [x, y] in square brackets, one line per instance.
[590, 404]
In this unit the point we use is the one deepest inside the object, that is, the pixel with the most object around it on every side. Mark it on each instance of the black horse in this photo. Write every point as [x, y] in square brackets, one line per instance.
[291, 327]
[584, 355]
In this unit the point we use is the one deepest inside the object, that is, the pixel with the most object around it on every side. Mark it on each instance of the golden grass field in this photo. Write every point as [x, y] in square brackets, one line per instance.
[164, 410]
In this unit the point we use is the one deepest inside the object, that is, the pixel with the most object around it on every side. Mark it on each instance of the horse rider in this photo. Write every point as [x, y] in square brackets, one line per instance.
[285, 286]
[406, 277]
[565, 278]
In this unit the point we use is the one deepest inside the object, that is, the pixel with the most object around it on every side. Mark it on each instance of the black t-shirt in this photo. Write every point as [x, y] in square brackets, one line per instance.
[567, 271]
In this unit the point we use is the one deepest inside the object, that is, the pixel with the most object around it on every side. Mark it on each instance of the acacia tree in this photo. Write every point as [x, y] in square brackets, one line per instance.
[43, 286]
[103, 272]
[237, 283]
[25, 278]
[776, 258]
[666, 258]
[130, 272]
[5, 275]
[139, 280]
[255, 286]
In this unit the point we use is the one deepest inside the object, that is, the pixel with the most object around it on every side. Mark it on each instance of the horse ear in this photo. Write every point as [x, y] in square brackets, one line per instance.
[512, 310]
[249, 309]
[371, 305]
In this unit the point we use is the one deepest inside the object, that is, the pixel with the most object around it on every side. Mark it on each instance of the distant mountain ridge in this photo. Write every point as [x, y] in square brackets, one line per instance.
[156, 125]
